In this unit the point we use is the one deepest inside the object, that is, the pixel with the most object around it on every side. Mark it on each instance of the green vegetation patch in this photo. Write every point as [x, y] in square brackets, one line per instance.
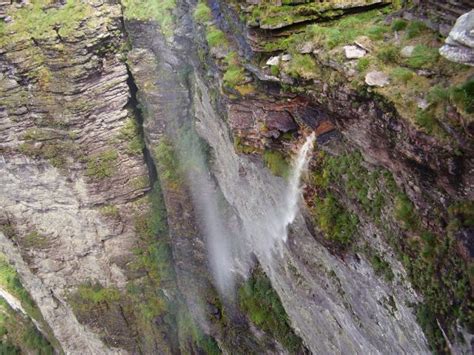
[202, 13]
[168, 165]
[415, 28]
[160, 11]
[337, 224]
[463, 95]
[19, 335]
[40, 20]
[52, 146]
[215, 37]
[102, 165]
[423, 57]
[302, 66]
[277, 163]
[263, 306]
[10, 281]
[130, 133]
[235, 73]
[381, 267]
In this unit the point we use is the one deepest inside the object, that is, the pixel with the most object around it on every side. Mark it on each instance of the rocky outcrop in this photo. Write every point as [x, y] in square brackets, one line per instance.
[459, 45]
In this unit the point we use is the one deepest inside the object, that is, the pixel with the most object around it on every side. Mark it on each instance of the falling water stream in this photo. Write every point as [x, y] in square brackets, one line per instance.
[293, 190]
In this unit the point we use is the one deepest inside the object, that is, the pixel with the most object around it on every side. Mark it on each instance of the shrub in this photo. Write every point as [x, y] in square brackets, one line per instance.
[402, 75]
[426, 120]
[399, 25]
[202, 13]
[415, 28]
[427, 320]
[388, 54]
[404, 211]
[423, 57]
[463, 95]
[438, 94]
[263, 306]
[338, 225]
[381, 267]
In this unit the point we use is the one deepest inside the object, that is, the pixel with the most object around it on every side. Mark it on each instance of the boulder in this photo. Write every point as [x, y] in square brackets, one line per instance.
[459, 46]
[354, 52]
[407, 51]
[273, 60]
[376, 78]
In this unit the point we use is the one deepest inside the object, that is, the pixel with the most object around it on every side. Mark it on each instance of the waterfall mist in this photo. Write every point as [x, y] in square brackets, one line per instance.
[194, 161]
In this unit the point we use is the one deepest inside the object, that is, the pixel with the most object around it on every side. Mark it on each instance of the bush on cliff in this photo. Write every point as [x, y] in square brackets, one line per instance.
[261, 303]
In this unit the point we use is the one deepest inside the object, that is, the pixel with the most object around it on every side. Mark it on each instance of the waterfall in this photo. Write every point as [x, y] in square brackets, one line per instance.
[293, 192]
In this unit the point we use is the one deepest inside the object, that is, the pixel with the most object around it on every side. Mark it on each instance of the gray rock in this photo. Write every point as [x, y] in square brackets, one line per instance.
[407, 51]
[459, 46]
[354, 52]
[273, 60]
[306, 48]
[286, 57]
[376, 78]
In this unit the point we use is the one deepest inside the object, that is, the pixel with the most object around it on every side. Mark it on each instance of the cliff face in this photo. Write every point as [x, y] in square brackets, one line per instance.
[73, 176]
[119, 256]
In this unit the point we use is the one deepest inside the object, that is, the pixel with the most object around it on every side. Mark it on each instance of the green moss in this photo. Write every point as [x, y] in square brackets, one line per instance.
[358, 183]
[102, 165]
[202, 13]
[160, 11]
[277, 163]
[54, 147]
[423, 57]
[131, 134]
[215, 37]
[110, 211]
[263, 306]
[401, 75]
[363, 64]
[36, 240]
[234, 75]
[89, 295]
[39, 20]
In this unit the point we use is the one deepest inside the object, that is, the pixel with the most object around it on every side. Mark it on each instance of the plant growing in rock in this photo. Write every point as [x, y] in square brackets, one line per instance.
[202, 13]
